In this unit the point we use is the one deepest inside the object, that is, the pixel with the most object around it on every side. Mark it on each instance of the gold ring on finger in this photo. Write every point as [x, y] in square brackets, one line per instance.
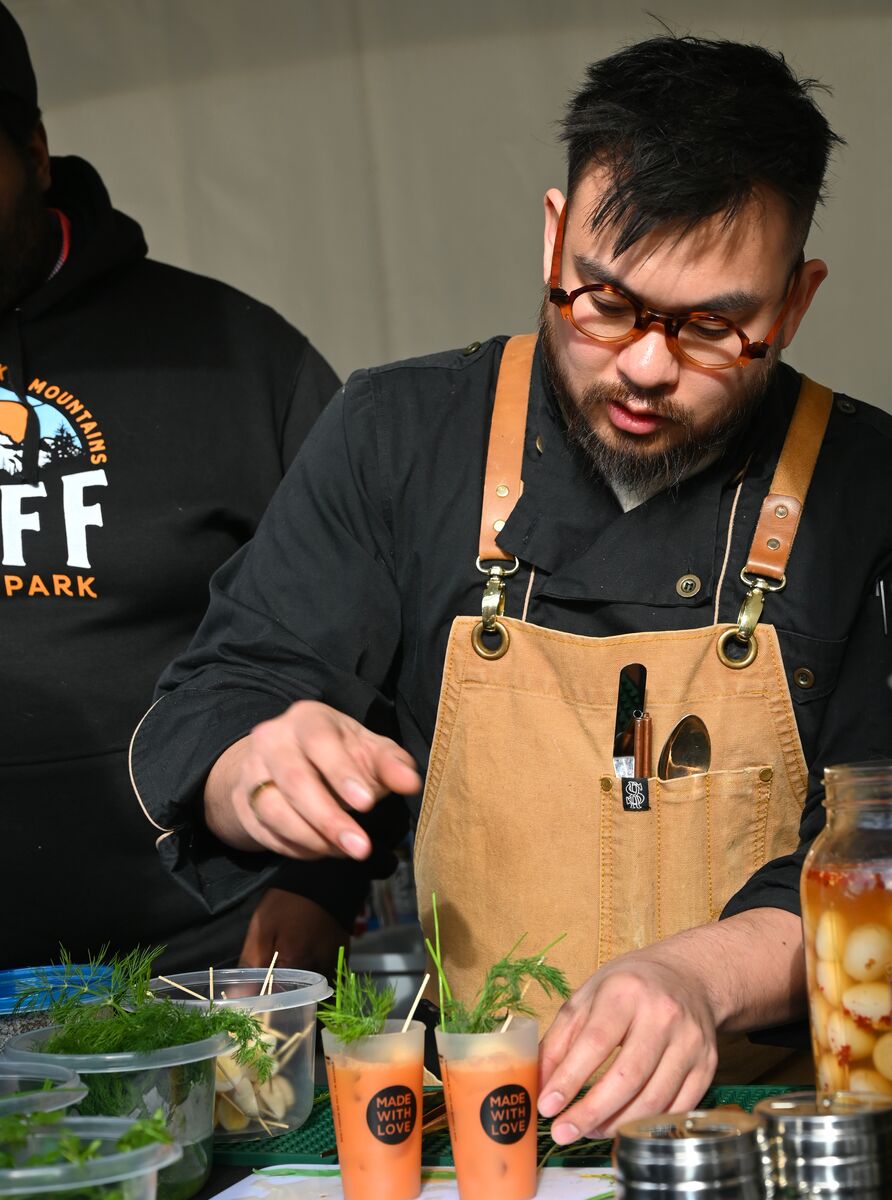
[255, 791]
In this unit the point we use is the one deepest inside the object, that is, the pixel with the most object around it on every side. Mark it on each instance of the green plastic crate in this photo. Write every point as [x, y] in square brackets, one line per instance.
[314, 1142]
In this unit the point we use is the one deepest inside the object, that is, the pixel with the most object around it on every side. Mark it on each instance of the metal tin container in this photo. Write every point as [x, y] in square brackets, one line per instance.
[838, 1145]
[717, 1155]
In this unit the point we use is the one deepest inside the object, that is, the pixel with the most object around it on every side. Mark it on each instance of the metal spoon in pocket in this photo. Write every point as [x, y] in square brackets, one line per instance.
[687, 750]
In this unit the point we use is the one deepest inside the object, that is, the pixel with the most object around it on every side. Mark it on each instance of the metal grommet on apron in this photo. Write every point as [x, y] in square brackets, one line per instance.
[523, 827]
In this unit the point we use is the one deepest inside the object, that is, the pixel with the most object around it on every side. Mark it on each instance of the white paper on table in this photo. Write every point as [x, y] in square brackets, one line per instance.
[438, 1183]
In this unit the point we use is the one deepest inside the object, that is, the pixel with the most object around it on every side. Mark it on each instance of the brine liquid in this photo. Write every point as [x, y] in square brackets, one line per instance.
[376, 1107]
[847, 918]
[491, 1105]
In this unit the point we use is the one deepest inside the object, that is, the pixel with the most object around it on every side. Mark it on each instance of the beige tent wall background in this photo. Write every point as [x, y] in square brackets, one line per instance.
[374, 168]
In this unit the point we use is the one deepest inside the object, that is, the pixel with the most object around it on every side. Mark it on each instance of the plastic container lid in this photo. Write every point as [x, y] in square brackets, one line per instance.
[12, 982]
[23, 1087]
[290, 988]
[110, 1166]
[26, 1047]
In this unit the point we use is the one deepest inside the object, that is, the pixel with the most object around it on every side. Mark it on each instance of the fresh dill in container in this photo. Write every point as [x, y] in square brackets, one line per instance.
[374, 1065]
[83, 1158]
[138, 1054]
[489, 1062]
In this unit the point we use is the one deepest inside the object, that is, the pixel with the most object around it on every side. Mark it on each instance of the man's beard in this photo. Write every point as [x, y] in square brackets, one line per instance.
[633, 462]
[26, 244]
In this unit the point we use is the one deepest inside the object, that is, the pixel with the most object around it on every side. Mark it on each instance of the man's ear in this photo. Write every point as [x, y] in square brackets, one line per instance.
[39, 153]
[553, 202]
[811, 275]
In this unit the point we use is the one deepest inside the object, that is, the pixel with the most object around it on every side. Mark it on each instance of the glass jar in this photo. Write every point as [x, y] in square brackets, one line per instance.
[847, 919]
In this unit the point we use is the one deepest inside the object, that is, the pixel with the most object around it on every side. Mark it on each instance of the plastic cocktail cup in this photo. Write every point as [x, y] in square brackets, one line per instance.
[490, 1081]
[376, 1093]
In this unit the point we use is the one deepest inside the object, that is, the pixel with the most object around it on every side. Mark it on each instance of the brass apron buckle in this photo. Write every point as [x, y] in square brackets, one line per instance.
[493, 607]
[747, 619]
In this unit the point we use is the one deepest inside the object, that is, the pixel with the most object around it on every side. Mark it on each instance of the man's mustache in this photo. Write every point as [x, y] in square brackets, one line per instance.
[597, 395]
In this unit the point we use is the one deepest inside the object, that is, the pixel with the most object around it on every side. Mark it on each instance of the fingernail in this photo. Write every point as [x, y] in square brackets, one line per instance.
[357, 792]
[551, 1103]
[565, 1132]
[355, 845]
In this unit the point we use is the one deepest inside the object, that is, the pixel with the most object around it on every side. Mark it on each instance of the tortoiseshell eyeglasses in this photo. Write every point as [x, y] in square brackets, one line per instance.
[606, 314]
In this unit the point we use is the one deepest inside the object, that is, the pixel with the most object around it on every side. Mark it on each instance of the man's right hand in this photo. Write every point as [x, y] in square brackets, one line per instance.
[290, 784]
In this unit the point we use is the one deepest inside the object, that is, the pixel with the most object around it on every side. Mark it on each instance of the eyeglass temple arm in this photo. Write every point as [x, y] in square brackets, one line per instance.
[554, 282]
[759, 349]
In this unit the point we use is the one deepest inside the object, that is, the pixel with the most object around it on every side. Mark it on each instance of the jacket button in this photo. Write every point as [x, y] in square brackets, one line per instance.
[804, 678]
[766, 774]
[472, 349]
[606, 783]
[688, 585]
[845, 405]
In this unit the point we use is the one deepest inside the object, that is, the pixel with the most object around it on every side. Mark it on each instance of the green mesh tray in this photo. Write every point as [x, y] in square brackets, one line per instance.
[314, 1142]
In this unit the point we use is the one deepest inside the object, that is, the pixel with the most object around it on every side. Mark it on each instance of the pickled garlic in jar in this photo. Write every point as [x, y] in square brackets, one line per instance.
[847, 918]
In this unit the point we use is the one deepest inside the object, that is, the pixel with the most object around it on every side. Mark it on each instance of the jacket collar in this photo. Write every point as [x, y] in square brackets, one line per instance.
[569, 525]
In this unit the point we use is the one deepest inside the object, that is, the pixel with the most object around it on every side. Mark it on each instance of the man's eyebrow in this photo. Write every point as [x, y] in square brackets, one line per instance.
[726, 302]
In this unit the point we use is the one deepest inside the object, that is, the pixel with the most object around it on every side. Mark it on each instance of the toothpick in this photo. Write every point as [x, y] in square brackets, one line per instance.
[288, 1051]
[210, 983]
[526, 988]
[188, 991]
[269, 976]
[415, 1003]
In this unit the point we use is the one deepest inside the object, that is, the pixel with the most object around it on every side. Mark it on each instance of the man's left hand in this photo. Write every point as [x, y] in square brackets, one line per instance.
[305, 934]
[665, 1030]
[659, 1009]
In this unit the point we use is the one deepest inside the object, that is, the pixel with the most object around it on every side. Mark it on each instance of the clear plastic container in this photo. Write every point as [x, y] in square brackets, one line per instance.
[847, 920]
[245, 1108]
[490, 1084]
[38, 1087]
[178, 1079]
[112, 1175]
[376, 1098]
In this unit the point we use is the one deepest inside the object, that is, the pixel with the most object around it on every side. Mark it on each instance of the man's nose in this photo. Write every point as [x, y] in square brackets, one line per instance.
[648, 363]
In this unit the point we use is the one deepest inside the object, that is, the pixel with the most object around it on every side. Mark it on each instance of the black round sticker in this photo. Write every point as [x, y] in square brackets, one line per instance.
[505, 1113]
[391, 1114]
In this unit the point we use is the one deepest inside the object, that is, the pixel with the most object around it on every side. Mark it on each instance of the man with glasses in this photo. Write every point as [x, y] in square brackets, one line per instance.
[643, 485]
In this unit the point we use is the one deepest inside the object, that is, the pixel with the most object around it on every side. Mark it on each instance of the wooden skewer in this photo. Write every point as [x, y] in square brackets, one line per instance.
[269, 976]
[289, 1050]
[188, 991]
[415, 1004]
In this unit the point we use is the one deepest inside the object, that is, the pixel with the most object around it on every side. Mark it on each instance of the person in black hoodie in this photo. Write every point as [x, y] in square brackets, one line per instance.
[146, 416]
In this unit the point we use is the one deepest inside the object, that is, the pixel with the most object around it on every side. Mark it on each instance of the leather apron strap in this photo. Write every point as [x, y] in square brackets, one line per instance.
[503, 485]
[772, 543]
[782, 507]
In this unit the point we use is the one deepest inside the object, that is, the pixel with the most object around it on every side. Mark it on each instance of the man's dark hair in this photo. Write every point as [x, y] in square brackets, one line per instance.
[688, 128]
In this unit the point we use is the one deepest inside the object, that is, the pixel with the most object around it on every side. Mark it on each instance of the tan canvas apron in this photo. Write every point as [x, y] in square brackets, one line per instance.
[522, 827]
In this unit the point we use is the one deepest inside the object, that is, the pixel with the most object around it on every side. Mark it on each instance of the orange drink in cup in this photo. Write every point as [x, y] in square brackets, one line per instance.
[376, 1092]
[490, 1082]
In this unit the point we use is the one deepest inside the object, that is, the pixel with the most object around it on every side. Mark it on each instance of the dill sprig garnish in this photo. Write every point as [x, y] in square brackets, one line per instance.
[504, 987]
[109, 1008]
[359, 1009]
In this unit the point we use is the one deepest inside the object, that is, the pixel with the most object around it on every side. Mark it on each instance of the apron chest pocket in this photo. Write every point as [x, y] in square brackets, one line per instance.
[677, 863]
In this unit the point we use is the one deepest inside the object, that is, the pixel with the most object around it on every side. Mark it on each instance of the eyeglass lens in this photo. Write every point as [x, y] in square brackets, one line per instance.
[610, 316]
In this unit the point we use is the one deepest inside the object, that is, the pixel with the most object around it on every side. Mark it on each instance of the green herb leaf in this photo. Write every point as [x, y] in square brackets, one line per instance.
[503, 988]
[359, 1009]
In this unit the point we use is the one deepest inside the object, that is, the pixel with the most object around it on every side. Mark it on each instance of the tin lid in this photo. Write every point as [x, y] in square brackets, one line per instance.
[715, 1146]
[840, 1110]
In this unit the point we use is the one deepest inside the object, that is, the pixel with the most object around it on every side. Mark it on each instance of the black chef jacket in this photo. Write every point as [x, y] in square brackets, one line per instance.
[367, 553]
